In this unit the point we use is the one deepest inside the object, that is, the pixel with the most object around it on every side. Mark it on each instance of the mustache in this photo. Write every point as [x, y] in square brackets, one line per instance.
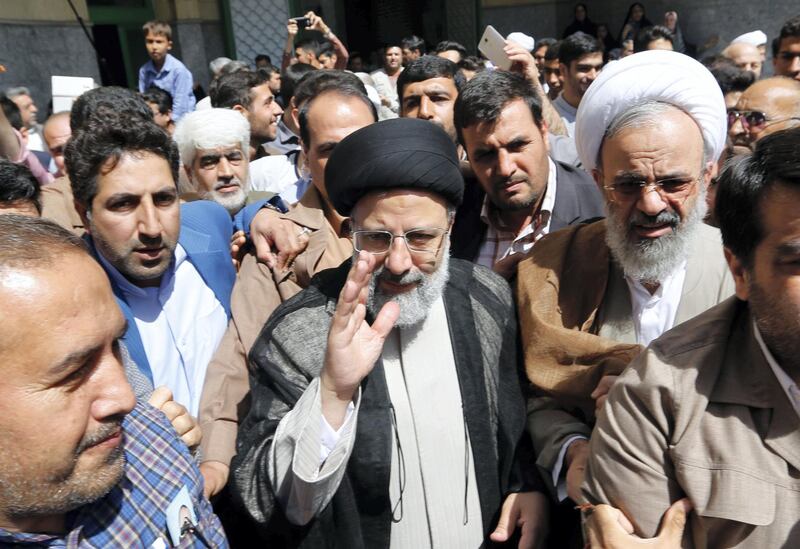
[405, 278]
[507, 182]
[639, 218]
[103, 432]
[233, 181]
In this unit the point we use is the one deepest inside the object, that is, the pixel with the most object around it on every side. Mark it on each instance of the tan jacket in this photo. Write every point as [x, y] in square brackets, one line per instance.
[576, 323]
[258, 291]
[701, 414]
[58, 204]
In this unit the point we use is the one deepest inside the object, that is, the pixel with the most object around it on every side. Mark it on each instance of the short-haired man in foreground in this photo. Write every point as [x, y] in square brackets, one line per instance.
[82, 464]
[388, 345]
[591, 296]
[710, 410]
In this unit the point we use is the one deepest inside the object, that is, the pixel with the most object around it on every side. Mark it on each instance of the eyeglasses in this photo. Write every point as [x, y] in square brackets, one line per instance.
[753, 120]
[422, 241]
[675, 188]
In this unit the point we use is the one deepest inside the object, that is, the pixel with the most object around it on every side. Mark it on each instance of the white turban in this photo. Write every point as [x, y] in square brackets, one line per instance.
[756, 38]
[522, 39]
[655, 75]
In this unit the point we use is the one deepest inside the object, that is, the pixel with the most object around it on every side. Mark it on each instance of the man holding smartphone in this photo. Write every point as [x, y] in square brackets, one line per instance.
[296, 53]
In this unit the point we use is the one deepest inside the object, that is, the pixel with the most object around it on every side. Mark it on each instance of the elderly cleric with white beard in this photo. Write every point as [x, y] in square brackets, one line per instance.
[650, 129]
[387, 409]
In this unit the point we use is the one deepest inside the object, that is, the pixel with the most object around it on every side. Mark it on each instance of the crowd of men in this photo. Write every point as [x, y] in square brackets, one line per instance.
[438, 305]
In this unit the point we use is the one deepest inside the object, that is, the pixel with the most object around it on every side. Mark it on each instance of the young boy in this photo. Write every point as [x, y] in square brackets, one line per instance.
[165, 71]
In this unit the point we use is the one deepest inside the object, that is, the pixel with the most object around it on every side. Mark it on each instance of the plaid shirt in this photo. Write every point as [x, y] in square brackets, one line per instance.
[133, 513]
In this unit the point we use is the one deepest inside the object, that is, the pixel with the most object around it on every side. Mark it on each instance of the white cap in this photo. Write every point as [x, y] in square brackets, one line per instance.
[656, 75]
[756, 38]
[522, 39]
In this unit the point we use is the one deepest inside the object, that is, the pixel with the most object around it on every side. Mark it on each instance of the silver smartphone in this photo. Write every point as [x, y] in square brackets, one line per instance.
[491, 45]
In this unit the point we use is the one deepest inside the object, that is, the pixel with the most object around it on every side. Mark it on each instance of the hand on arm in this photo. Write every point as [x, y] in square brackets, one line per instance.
[186, 426]
[528, 510]
[215, 476]
[353, 345]
[277, 241]
[607, 527]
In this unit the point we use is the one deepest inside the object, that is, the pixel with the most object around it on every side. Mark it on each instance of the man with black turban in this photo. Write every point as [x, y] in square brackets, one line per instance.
[387, 409]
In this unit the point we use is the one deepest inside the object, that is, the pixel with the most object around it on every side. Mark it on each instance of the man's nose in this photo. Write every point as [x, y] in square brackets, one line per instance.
[149, 221]
[398, 258]
[505, 165]
[650, 201]
[425, 108]
[224, 169]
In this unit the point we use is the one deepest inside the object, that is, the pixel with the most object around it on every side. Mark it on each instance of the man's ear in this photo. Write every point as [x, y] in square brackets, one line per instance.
[84, 215]
[545, 139]
[169, 45]
[295, 112]
[241, 110]
[597, 175]
[188, 169]
[741, 276]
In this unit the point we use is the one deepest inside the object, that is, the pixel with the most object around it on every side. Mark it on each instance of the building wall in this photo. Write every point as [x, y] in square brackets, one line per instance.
[708, 21]
[259, 26]
[39, 38]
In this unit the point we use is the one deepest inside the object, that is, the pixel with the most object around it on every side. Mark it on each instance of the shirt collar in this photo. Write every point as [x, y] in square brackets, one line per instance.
[169, 64]
[131, 289]
[489, 213]
[285, 135]
[786, 382]
[663, 286]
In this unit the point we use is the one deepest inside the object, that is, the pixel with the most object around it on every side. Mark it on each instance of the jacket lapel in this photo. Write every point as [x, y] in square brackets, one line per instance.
[214, 267]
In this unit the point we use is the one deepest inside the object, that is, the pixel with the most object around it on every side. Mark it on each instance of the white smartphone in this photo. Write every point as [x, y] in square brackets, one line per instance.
[491, 45]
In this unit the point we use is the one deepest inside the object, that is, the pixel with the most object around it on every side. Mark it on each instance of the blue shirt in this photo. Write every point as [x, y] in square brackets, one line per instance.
[174, 78]
[133, 514]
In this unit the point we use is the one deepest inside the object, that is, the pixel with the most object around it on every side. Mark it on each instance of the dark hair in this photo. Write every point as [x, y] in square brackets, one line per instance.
[730, 77]
[576, 46]
[158, 28]
[427, 67]
[413, 42]
[107, 140]
[290, 77]
[309, 44]
[326, 49]
[483, 99]
[12, 112]
[790, 29]
[34, 242]
[263, 57]
[552, 52]
[471, 63]
[319, 83]
[650, 34]
[18, 185]
[545, 43]
[109, 100]
[162, 98]
[743, 184]
[449, 45]
[229, 90]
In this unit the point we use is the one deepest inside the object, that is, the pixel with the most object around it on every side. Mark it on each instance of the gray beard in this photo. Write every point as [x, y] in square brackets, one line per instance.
[653, 260]
[414, 304]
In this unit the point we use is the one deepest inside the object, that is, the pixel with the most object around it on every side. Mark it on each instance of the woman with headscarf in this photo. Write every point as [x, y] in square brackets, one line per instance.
[607, 41]
[581, 23]
[634, 21]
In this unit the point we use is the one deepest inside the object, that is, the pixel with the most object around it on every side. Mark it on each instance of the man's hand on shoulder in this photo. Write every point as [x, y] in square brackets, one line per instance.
[277, 241]
[215, 476]
[186, 426]
[528, 510]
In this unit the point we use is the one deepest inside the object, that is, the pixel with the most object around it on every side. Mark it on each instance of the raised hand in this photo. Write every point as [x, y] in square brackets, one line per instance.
[353, 345]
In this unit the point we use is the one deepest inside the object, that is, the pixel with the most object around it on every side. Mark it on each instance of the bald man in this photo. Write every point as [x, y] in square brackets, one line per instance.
[745, 56]
[766, 107]
[56, 133]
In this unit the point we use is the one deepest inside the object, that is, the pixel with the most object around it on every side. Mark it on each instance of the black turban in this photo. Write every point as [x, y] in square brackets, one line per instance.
[402, 153]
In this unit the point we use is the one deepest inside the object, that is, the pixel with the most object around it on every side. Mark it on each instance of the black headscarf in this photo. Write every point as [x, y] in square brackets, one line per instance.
[393, 154]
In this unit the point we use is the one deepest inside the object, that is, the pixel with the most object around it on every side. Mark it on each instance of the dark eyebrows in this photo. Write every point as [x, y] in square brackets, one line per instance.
[636, 176]
[327, 146]
[790, 248]
[80, 356]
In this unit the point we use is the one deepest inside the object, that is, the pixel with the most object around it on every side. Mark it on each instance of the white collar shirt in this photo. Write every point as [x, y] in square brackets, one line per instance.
[654, 314]
[181, 323]
[787, 384]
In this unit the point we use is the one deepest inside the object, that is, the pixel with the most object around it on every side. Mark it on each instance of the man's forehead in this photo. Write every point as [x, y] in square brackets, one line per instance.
[218, 151]
[438, 83]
